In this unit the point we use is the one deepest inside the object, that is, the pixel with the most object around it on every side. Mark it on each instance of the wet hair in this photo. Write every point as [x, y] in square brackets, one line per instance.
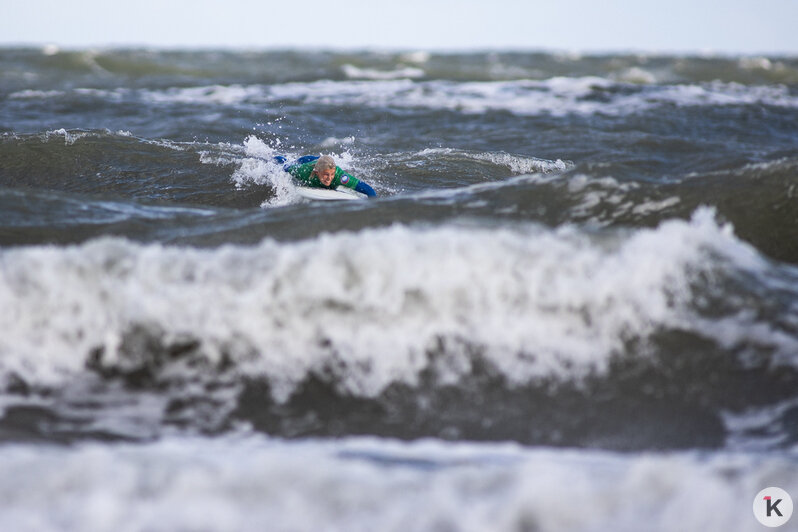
[325, 162]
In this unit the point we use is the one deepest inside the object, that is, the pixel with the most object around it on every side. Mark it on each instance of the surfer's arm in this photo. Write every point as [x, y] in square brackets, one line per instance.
[350, 181]
[364, 188]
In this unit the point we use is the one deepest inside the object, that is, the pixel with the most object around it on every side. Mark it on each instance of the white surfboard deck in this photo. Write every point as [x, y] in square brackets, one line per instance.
[340, 193]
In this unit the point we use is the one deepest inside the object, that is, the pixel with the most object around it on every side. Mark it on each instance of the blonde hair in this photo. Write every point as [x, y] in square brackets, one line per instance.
[325, 162]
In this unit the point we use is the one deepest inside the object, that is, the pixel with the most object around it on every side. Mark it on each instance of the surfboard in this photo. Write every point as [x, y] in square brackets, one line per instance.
[340, 193]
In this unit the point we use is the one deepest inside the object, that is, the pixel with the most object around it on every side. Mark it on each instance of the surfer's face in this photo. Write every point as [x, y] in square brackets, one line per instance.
[326, 176]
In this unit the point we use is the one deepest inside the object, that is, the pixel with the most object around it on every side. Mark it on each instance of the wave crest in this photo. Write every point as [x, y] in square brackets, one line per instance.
[532, 301]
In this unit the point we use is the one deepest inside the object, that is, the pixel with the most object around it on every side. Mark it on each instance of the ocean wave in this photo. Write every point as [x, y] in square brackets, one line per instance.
[494, 291]
[534, 302]
[209, 95]
[256, 166]
[354, 72]
[36, 94]
[65, 211]
[551, 336]
[517, 164]
[557, 96]
[114, 64]
[109, 163]
[251, 483]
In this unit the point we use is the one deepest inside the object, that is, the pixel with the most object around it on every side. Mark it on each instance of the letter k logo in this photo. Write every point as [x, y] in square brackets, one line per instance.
[772, 506]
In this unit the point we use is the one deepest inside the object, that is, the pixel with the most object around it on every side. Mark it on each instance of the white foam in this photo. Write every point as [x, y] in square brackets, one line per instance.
[258, 167]
[636, 75]
[419, 57]
[29, 94]
[70, 136]
[353, 72]
[343, 92]
[517, 164]
[208, 95]
[254, 484]
[719, 93]
[759, 428]
[556, 96]
[331, 142]
[649, 207]
[535, 302]
[522, 97]
[755, 63]
[115, 95]
[50, 49]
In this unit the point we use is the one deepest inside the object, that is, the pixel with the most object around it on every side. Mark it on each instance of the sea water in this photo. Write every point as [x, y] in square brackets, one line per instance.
[574, 305]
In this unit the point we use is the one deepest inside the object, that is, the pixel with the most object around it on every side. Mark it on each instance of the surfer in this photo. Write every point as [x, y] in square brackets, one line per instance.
[321, 172]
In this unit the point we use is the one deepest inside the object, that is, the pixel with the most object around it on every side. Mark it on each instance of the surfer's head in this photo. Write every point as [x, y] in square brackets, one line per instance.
[325, 169]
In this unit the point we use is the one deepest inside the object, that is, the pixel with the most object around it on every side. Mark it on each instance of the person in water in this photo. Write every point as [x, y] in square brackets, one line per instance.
[321, 172]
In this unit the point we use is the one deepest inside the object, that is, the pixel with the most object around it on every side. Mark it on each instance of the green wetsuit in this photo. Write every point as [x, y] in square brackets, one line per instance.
[304, 173]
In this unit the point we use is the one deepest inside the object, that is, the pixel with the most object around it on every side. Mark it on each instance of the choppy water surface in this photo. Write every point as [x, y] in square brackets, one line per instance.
[580, 274]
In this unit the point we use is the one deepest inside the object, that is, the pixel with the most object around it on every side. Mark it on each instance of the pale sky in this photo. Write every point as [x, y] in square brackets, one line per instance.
[705, 26]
